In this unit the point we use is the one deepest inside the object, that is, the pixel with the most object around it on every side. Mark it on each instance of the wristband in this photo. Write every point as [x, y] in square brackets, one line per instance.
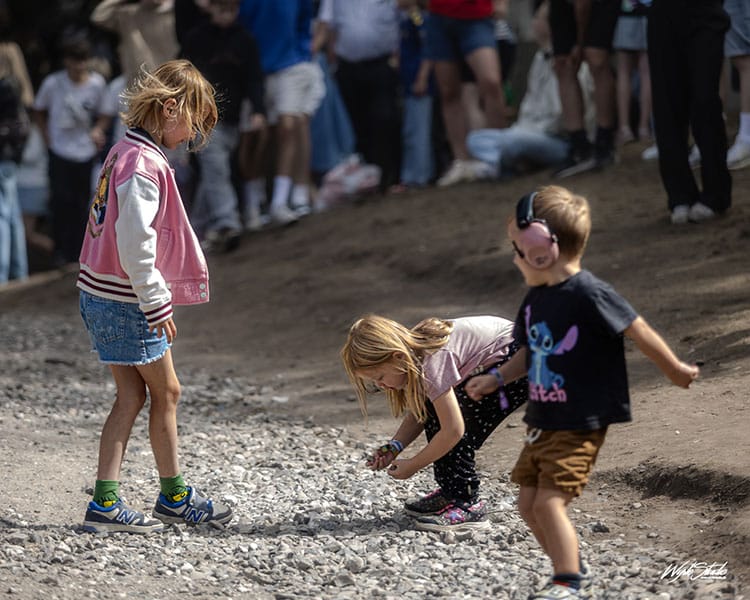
[498, 376]
[504, 404]
[396, 445]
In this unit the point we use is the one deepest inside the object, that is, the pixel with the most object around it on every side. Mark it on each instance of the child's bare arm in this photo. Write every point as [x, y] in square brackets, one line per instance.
[479, 386]
[654, 347]
[406, 433]
[451, 431]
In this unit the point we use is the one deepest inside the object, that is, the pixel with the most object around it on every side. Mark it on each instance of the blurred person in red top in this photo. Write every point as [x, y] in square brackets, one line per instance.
[460, 30]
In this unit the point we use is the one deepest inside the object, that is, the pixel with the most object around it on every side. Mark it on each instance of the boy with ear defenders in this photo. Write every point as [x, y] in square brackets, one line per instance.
[570, 327]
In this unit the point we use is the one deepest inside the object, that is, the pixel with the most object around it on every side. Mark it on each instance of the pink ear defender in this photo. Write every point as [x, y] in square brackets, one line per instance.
[537, 244]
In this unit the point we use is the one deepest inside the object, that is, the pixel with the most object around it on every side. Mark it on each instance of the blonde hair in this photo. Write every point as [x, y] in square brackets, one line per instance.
[12, 64]
[568, 216]
[373, 341]
[181, 81]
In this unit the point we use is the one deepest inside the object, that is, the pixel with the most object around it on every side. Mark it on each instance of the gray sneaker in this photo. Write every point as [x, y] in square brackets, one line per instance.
[118, 518]
[192, 510]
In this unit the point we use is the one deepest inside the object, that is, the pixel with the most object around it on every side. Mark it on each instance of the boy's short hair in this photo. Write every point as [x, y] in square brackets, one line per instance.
[76, 47]
[568, 216]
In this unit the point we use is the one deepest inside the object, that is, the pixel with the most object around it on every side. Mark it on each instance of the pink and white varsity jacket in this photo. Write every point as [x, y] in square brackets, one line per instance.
[139, 246]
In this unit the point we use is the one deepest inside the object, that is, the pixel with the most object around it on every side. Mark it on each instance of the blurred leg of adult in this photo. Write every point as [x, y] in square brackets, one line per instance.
[216, 207]
[485, 64]
[417, 164]
[70, 185]
[668, 35]
[705, 59]
[369, 89]
[509, 149]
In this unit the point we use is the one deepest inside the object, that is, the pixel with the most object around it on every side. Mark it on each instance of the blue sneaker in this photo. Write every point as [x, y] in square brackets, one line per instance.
[118, 517]
[192, 510]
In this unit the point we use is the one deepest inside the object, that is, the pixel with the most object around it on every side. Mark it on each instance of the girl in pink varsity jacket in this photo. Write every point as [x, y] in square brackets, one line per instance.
[139, 257]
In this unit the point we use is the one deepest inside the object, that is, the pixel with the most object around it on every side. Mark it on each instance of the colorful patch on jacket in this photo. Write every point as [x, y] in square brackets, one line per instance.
[99, 205]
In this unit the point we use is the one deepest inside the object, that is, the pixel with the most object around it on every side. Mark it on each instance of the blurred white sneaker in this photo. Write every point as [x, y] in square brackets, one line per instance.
[456, 173]
[482, 170]
[650, 153]
[680, 214]
[738, 156]
[700, 212]
[282, 215]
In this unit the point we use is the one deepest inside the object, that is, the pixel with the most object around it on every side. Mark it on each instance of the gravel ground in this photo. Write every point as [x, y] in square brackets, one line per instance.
[310, 520]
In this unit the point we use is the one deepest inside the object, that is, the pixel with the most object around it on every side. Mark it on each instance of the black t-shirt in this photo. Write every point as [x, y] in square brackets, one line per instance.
[573, 332]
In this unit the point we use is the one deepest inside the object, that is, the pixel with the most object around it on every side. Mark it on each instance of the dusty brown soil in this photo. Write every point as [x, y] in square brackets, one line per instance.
[282, 303]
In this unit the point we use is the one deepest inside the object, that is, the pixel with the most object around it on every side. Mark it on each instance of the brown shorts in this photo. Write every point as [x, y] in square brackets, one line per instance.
[558, 459]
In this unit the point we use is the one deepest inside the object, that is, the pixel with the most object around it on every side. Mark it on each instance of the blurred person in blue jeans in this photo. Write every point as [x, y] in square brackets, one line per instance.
[16, 94]
[536, 139]
[13, 261]
[417, 161]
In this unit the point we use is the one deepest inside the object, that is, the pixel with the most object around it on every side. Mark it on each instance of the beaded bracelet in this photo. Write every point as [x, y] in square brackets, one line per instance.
[504, 404]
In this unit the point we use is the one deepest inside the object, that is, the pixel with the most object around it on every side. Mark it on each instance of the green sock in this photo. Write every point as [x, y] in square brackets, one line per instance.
[106, 492]
[173, 488]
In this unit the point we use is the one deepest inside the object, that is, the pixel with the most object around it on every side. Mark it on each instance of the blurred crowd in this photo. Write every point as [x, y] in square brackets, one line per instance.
[321, 102]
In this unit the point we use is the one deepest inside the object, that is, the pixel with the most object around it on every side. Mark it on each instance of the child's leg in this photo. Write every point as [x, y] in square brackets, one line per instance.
[130, 398]
[164, 389]
[553, 529]
[456, 471]
[526, 497]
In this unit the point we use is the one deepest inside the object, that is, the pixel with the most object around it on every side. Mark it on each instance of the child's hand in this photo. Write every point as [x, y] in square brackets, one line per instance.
[382, 457]
[167, 328]
[481, 385]
[684, 375]
[401, 469]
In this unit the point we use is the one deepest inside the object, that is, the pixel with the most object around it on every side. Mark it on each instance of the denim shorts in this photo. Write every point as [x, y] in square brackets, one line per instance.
[452, 39]
[119, 332]
[737, 40]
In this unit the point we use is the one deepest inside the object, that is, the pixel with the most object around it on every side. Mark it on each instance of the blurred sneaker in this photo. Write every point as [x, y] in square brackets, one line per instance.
[282, 215]
[587, 580]
[484, 171]
[577, 162]
[680, 214]
[694, 158]
[650, 153]
[192, 510]
[257, 222]
[700, 212]
[625, 136]
[458, 516]
[554, 591]
[301, 210]
[462, 171]
[226, 239]
[118, 518]
[431, 504]
[738, 156]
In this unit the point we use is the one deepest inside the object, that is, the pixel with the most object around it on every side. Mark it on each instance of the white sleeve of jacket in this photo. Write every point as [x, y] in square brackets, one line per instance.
[138, 203]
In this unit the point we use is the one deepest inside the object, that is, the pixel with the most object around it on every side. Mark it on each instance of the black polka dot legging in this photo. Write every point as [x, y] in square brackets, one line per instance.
[455, 472]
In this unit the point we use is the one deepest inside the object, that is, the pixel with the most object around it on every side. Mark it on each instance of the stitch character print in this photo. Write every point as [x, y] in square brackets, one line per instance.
[544, 384]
